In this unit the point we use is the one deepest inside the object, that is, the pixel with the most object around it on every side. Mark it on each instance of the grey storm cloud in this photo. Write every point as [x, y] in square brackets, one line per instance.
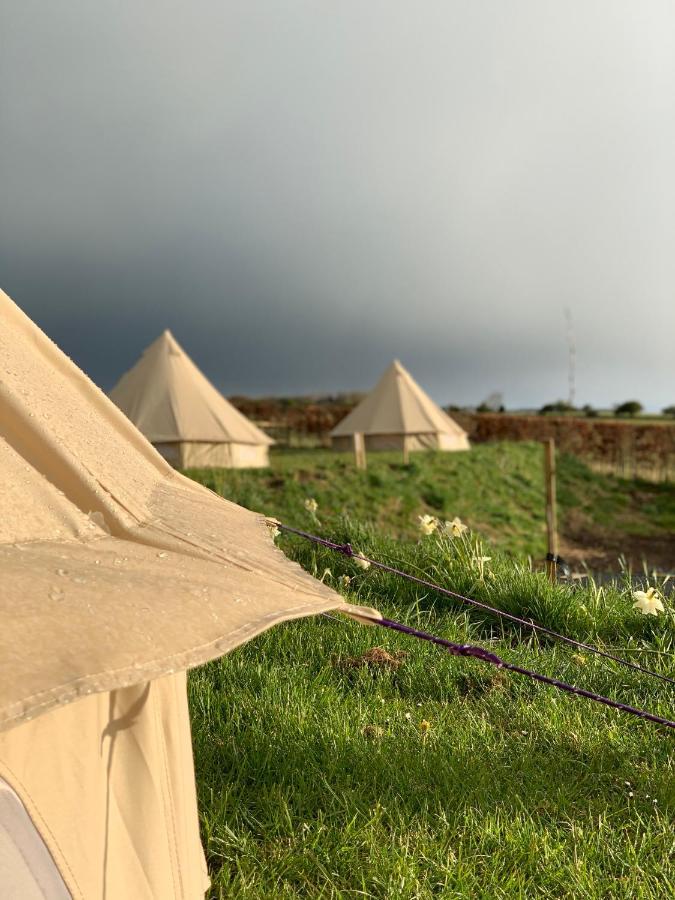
[303, 190]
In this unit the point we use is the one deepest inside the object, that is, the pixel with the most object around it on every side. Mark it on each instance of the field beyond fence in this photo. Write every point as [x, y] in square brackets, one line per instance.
[644, 450]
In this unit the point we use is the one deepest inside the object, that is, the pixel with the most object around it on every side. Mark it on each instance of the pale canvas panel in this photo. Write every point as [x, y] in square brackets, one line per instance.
[27, 869]
[108, 782]
[198, 455]
[397, 405]
[453, 441]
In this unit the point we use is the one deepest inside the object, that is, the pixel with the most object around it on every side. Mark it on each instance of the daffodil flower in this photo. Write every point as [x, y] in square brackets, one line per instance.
[360, 561]
[648, 602]
[454, 529]
[425, 726]
[428, 524]
[344, 581]
[311, 505]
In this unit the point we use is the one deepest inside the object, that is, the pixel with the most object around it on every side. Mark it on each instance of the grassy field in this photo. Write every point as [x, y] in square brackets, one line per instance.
[497, 488]
[324, 775]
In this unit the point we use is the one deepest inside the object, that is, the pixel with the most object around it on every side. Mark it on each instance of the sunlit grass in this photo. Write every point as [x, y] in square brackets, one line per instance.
[316, 779]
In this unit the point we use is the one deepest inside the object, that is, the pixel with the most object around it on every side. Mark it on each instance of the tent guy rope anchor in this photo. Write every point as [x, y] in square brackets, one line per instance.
[484, 655]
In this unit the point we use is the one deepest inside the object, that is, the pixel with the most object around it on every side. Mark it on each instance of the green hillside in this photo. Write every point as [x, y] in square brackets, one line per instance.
[327, 770]
[497, 488]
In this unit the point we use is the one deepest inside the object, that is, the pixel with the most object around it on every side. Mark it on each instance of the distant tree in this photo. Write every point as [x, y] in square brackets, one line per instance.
[559, 408]
[484, 408]
[452, 408]
[629, 408]
[589, 411]
[669, 411]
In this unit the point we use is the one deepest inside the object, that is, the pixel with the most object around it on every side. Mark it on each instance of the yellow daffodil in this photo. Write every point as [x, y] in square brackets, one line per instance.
[425, 726]
[579, 659]
[344, 581]
[456, 528]
[311, 505]
[428, 524]
[360, 561]
[648, 602]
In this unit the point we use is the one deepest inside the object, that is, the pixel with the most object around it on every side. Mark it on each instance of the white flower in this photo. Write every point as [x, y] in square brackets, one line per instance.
[648, 602]
[344, 581]
[360, 561]
[428, 524]
[311, 505]
[456, 528]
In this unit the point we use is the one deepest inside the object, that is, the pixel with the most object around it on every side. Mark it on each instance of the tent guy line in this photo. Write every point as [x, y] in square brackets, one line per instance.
[347, 550]
[484, 655]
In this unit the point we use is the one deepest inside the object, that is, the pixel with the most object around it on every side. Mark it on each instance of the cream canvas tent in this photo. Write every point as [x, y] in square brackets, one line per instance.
[117, 574]
[398, 415]
[179, 411]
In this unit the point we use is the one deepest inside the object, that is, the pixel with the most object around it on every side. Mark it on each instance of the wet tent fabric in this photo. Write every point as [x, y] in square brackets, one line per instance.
[117, 575]
[179, 411]
[108, 781]
[398, 412]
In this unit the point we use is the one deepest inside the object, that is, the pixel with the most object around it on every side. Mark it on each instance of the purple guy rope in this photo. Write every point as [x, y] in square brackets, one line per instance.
[486, 656]
[347, 550]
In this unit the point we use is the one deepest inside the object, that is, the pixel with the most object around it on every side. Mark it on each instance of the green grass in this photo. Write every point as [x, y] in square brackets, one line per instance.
[497, 488]
[314, 778]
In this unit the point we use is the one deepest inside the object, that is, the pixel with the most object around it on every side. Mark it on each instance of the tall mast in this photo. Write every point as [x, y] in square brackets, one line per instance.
[572, 357]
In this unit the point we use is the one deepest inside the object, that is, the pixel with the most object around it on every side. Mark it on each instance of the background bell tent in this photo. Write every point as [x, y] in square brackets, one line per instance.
[179, 411]
[398, 415]
[118, 574]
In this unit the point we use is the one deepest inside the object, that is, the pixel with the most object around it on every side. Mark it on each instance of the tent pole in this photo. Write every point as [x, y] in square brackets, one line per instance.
[360, 450]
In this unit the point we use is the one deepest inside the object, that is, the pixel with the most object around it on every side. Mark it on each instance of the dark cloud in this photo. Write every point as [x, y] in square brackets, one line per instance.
[302, 190]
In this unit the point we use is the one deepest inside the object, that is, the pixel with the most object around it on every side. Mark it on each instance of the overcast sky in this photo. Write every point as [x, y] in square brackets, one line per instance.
[303, 189]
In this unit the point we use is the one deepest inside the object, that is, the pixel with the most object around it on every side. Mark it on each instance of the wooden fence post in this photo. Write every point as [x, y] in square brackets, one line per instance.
[360, 450]
[551, 512]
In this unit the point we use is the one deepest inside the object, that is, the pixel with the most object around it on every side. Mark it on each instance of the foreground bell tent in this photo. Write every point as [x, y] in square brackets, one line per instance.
[117, 575]
[398, 415]
[178, 410]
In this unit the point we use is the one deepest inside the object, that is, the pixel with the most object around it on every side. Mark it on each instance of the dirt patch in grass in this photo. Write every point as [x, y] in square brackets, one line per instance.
[584, 542]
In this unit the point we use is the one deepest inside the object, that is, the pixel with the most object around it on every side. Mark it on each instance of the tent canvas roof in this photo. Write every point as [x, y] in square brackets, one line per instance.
[115, 568]
[169, 399]
[397, 405]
